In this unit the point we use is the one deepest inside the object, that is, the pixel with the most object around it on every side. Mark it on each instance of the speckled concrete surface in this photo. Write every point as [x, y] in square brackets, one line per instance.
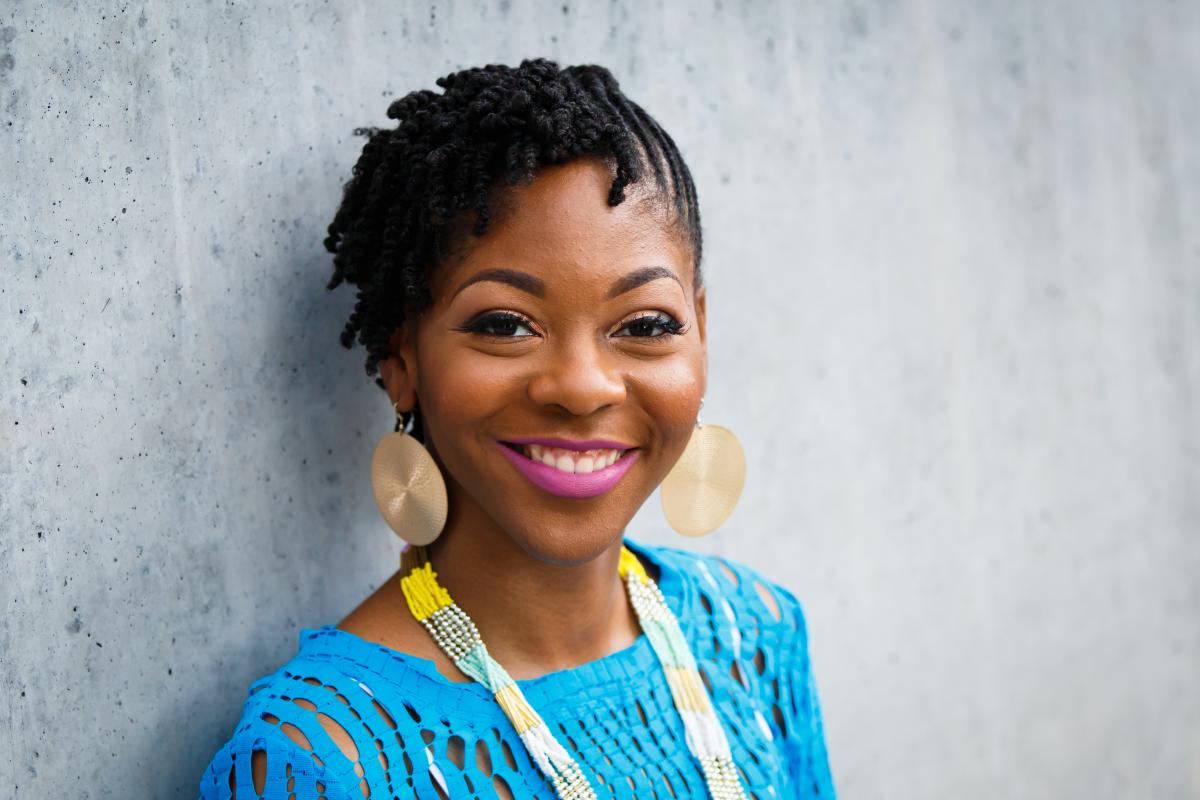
[955, 296]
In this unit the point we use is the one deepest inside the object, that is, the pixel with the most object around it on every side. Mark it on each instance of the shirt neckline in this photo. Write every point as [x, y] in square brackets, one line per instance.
[627, 666]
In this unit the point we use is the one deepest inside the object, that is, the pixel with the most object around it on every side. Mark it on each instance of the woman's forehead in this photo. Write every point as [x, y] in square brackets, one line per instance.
[561, 228]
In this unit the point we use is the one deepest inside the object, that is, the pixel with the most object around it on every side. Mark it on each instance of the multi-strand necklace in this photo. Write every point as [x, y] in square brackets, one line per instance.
[457, 636]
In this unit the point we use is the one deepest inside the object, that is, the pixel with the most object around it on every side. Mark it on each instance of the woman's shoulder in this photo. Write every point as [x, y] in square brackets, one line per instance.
[314, 726]
[723, 587]
[750, 640]
[282, 745]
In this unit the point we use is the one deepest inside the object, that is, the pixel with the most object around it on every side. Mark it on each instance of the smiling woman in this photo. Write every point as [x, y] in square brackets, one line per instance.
[526, 247]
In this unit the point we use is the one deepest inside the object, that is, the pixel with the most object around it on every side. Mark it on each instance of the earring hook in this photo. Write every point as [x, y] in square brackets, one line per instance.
[400, 421]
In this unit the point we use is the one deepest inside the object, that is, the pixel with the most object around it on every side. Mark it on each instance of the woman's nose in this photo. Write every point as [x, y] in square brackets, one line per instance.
[579, 377]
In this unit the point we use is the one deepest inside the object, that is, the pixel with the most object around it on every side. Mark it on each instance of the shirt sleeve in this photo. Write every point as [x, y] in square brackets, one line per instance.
[809, 761]
[291, 771]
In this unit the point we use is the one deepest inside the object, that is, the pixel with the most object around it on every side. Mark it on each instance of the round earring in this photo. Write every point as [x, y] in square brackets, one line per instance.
[703, 487]
[409, 488]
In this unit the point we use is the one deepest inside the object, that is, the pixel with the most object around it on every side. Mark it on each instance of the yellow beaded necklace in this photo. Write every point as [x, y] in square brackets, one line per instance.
[457, 636]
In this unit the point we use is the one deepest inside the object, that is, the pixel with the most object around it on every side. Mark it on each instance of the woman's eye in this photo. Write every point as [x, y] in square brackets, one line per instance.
[652, 326]
[506, 326]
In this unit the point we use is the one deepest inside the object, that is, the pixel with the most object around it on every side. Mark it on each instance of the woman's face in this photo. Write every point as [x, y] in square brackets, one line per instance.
[568, 322]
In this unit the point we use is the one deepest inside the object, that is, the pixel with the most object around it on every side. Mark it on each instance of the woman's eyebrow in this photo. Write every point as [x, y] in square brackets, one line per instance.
[515, 278]
[632, 280]
[536, 287]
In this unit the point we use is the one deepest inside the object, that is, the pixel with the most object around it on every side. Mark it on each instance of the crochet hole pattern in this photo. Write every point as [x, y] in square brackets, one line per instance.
[347, 719]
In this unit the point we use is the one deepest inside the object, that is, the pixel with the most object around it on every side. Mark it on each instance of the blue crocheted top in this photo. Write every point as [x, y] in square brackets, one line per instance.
[417, 734]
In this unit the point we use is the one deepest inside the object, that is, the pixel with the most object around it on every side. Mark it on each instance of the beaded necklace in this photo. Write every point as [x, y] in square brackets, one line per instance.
[458, 638]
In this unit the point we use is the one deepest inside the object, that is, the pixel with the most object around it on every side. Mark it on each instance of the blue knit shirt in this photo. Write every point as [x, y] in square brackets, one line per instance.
[417, 734]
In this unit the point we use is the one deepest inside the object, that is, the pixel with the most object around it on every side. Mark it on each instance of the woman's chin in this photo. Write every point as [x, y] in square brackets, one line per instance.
[566, 546]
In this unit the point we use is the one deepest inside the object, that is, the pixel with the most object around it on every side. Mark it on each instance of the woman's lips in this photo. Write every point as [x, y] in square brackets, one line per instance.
[569, 484]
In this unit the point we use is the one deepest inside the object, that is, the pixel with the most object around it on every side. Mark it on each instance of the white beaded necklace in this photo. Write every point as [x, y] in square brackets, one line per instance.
[457, 636]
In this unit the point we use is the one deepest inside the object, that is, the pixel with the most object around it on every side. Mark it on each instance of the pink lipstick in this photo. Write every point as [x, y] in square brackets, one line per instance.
[569, 484]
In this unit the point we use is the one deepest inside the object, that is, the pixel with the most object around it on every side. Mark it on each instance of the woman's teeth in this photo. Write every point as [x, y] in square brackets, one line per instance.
[576, 461]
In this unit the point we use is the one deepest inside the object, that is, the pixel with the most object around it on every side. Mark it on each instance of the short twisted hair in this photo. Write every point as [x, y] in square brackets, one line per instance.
[407, 204]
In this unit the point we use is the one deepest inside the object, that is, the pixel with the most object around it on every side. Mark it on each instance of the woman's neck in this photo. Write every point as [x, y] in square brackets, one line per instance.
[534, 617]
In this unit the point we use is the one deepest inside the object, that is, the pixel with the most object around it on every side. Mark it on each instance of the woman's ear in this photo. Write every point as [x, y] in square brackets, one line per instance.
[399, 369]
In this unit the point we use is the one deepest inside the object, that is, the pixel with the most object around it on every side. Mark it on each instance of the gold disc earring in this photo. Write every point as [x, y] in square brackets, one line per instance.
[409, 488]
[704, 486]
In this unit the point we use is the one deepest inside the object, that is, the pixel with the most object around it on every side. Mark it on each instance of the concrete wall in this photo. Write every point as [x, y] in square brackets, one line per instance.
[954, 268]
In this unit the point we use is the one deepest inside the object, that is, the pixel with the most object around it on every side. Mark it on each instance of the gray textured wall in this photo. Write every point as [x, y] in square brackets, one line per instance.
[955, 294]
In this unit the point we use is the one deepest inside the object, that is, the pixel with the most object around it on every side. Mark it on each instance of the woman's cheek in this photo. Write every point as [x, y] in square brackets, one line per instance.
[469, 385]
[461, 391]
[670, 392]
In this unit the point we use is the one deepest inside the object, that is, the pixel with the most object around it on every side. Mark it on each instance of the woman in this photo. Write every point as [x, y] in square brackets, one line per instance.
[526, 247]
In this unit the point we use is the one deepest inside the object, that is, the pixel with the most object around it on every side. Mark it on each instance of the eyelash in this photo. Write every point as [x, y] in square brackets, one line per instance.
[670, 325]
[479, 325]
